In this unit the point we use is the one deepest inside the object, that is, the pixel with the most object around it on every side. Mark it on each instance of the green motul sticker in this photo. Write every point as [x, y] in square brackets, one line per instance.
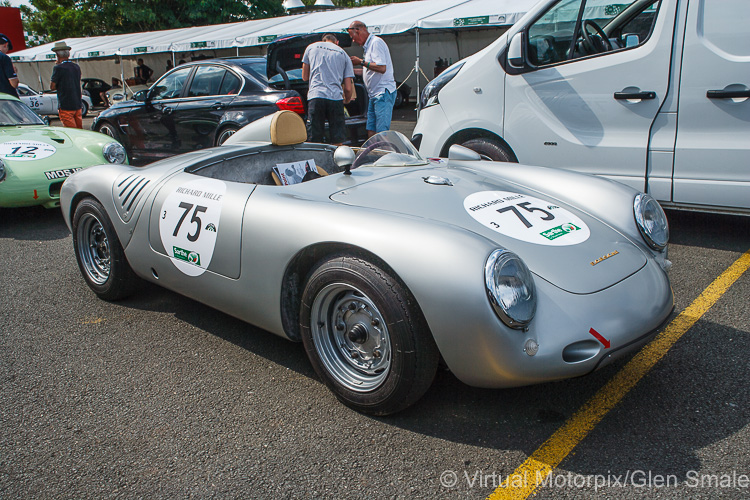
[186, 255]
[471, 21]
[562, 230]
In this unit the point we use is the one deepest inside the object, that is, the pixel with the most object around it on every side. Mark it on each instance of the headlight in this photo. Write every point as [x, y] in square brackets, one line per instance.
[511, 289]
[430, 92]
[651, 221]
[114, 152]
[2, 171]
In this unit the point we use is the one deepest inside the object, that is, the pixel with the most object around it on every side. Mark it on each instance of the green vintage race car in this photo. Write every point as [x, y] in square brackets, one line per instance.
[35, 159]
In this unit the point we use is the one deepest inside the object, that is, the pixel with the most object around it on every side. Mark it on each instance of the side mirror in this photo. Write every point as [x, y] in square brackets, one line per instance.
[459, 152]
[516, 58]
[141, 96]
[631, 40]
[344, 157]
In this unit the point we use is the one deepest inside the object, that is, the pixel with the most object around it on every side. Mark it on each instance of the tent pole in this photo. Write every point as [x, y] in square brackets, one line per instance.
[416, 71]
[39, 70]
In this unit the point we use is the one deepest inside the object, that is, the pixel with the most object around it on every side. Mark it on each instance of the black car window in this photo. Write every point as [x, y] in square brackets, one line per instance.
[170, 86]
[207, 81]
[231, 84]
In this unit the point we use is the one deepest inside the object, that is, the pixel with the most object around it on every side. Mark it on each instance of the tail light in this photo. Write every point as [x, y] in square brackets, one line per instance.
[292, 104]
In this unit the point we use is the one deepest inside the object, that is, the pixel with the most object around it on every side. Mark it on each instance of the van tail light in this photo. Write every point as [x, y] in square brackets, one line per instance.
[292, 104]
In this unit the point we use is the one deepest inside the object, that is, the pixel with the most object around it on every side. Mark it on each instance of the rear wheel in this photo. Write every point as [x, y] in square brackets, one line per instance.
[365, 336]
[100, 256]
[491, 149]
[225, 134]
[84, 108]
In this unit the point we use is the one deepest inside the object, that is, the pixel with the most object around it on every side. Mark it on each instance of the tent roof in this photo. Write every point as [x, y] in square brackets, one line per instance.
[388, 19]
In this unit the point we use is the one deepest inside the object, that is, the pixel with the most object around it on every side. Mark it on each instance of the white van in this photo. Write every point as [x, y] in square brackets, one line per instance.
[651, 93]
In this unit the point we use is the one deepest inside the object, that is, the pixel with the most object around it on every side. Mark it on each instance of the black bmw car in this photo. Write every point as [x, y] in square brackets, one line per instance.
[202, 103]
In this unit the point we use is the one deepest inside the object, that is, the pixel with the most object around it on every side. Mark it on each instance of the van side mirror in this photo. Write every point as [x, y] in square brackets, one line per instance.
[516, 58]
[631, 40]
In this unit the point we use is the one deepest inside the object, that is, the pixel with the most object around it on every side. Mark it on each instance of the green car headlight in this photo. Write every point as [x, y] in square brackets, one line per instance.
[651, 220]
[114, 152]
[510, 288]
[2, 170]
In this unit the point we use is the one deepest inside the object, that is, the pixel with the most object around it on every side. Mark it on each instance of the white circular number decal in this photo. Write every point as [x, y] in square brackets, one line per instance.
[189, 224]
[26, 150]
[526, 218]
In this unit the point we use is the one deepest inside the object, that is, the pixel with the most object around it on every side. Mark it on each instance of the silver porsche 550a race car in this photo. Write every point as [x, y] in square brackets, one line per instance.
[383, 262]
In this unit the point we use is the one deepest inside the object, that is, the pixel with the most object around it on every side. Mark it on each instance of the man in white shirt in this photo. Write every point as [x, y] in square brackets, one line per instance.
[331, 75]
[378, 75]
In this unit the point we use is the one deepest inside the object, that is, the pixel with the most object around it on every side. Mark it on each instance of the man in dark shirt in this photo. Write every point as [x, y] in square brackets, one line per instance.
[8, 77]
[66, 79]
[142, 73]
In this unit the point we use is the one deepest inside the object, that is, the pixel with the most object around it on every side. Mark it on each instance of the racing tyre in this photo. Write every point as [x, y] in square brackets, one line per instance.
[399, 99]
[365, 336]
[99, 254]
[491, 149]
[225, 134]
[107, 128]
[84, 108]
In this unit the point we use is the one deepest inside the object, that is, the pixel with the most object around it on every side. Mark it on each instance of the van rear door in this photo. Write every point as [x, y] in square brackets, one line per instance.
[712, 153]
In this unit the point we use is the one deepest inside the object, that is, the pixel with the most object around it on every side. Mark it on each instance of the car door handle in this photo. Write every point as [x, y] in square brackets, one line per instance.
[167, 110]
[648, 94]
[217, 105]
[727, 94]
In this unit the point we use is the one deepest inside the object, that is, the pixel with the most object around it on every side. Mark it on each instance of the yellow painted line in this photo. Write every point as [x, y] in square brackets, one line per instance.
[526, 478]
[93, 321]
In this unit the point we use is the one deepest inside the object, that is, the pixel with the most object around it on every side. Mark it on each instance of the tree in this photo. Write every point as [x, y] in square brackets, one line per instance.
[59, 19]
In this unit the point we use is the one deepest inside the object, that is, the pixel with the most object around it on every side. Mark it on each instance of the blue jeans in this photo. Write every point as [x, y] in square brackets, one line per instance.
[380, 110]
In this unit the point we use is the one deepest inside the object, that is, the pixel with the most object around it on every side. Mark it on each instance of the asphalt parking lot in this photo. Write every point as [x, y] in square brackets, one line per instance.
[159, 396]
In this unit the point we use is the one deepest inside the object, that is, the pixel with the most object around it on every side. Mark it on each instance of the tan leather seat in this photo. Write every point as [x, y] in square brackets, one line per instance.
[287, 127]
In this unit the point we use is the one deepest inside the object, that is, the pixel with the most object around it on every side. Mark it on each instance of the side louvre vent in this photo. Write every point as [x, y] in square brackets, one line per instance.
[127, 191]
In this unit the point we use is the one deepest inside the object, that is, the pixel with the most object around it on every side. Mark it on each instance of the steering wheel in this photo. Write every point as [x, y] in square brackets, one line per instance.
[361, 157]
[588, 42]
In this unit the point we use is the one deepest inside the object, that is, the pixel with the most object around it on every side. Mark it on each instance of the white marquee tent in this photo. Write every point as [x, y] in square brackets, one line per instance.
[448, 29]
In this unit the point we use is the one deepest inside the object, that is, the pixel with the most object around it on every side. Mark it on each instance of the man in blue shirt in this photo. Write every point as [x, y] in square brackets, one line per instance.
[8, 76]
[378, 75]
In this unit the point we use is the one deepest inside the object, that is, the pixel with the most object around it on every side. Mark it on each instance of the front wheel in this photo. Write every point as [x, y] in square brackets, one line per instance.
[491, 149]
[365, 336]
[108, 129]
[84, 108]
[100, 256]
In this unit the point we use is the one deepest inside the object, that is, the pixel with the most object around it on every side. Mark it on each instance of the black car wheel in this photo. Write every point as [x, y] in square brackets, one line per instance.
[100, 256]
[365, 336]
[225, 133]
[107, 128]
[491, 149]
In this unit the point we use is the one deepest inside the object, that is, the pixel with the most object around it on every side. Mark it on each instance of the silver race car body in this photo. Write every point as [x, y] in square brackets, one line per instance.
[513, 275]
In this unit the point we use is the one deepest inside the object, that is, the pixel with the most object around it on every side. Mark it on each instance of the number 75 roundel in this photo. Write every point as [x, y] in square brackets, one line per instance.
[526, 218]
[189, 224]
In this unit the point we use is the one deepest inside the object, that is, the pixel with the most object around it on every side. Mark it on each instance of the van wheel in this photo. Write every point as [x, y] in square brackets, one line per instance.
[491, 149]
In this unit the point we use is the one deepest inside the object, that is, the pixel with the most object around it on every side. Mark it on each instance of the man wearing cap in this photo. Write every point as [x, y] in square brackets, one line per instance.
[378, 76]
[66, 79]
[8, 76]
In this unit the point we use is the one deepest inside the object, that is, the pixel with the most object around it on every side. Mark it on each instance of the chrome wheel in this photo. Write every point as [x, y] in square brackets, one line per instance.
[224, 135]
[93, 248]
[351, 337]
